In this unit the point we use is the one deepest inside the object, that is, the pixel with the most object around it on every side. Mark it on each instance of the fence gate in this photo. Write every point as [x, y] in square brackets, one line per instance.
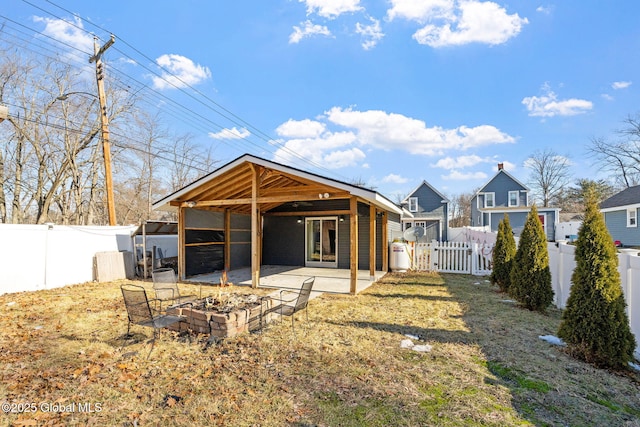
[453, 257]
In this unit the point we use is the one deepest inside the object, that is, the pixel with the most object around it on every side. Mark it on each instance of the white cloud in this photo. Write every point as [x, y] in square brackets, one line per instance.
[301, 129]
[394, 131]
[460, 176]
[461, 162]
[394, 179]
[371, 33]
[421, 11]
[332, 150]
[549, 106]
[343, 158]
[232, 133]
[68, 32]
[307, 29]
[620, 85]
[179, 71]
[508, 166]
[331, 8]
[545, 9]
[474, 22]
[370, 130]
[607, 97]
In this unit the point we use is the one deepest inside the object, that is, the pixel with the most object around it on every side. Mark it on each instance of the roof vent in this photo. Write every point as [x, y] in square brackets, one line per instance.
[500, 166]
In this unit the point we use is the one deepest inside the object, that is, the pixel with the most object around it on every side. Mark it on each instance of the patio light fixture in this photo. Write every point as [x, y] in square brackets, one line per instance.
[299, 220]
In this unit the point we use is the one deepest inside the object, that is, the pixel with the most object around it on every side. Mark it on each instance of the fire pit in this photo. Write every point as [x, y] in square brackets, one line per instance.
[223, 316]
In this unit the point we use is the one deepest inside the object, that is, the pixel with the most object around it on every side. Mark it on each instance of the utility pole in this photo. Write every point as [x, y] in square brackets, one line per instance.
[104, 119]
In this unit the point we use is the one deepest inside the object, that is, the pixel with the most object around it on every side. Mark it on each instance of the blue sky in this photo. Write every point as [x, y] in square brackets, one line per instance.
[389, 92]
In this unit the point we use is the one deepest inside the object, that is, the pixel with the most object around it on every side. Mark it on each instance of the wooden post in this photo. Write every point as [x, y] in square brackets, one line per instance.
[372, 243]
[227, 240]
[353, 207]
[104, 119]
[255, 256]
[182, 261]
[385, 242]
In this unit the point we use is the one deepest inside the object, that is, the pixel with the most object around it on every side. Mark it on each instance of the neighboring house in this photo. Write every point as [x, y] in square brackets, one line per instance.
[253, 212]
[427, 207]
[504, 194]
[621, 216]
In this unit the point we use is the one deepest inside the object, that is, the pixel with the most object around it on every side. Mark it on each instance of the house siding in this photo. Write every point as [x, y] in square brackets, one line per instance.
[283, 241]
[501, 184]
[616, 222]
[518, 219]
[432, 208]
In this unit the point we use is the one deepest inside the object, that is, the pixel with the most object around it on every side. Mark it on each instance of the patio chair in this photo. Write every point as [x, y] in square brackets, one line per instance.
[139, 311]
[290, 302]
[165, 284]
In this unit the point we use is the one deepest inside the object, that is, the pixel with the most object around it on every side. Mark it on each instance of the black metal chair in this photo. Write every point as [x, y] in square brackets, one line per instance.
[140, 312]
[291, 302]
[165, 285]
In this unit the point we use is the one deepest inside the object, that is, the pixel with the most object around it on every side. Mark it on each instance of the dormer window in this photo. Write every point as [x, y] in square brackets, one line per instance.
[413, 204]
[489, 200]
[514, 198]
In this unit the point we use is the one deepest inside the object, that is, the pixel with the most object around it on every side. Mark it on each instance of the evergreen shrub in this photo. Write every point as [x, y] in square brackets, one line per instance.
[530, 274]
[594, 324]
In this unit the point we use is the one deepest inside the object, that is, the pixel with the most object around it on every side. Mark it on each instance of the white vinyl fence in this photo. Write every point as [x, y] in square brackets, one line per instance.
[34, 257]
[453, 257]
[475, 258]
[562, 263]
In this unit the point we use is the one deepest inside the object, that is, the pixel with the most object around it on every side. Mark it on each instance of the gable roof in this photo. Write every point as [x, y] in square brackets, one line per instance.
[481, 190]
[234, 181]
[442, 196]
[627, 197]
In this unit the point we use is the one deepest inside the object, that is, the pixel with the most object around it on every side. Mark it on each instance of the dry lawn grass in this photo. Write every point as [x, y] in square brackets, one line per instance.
[486, 367]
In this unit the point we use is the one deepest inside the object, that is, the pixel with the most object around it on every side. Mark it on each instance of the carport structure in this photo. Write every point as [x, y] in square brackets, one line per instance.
[253, 211]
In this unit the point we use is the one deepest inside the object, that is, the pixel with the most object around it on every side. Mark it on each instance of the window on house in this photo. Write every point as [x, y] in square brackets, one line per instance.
[513, 198]
[413, 204]
[632, 217]
[489, 200]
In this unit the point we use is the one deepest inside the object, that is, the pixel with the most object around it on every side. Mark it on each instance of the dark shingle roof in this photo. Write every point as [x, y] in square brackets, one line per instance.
[629, 196]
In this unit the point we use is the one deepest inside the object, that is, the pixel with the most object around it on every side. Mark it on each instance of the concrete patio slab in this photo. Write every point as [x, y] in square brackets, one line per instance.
[329, 280]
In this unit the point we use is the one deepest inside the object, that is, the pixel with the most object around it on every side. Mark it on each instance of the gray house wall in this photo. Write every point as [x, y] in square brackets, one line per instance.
[518, 219]
[501, 184]
[430, 208]
[616, 222]
[284, 239]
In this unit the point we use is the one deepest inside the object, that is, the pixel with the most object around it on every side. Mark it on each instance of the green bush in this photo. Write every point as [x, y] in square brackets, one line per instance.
[594, 324]
[530, 274]
[503, 253]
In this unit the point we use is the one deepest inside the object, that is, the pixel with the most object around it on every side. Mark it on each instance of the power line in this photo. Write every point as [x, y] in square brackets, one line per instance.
[196, 120]
[235, 119]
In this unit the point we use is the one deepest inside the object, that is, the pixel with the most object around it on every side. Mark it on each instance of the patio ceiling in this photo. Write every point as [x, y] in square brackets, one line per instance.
[233, 190]
[230, 187]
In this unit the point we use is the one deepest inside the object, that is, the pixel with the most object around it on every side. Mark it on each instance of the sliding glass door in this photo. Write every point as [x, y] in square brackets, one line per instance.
[321, 242]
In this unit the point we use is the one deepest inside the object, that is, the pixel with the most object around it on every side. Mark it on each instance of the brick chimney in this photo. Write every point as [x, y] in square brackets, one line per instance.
[500, 166]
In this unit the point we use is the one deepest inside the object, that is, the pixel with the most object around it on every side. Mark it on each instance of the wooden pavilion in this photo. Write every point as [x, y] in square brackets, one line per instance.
[253, 212]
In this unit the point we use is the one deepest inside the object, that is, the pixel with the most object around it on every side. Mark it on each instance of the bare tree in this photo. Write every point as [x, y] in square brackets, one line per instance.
[51, 162]
[620, 157]
[460, 209]
[549, 174]
[572, 199]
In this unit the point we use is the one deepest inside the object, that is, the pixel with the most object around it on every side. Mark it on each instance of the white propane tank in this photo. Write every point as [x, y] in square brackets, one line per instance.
[400, 259]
